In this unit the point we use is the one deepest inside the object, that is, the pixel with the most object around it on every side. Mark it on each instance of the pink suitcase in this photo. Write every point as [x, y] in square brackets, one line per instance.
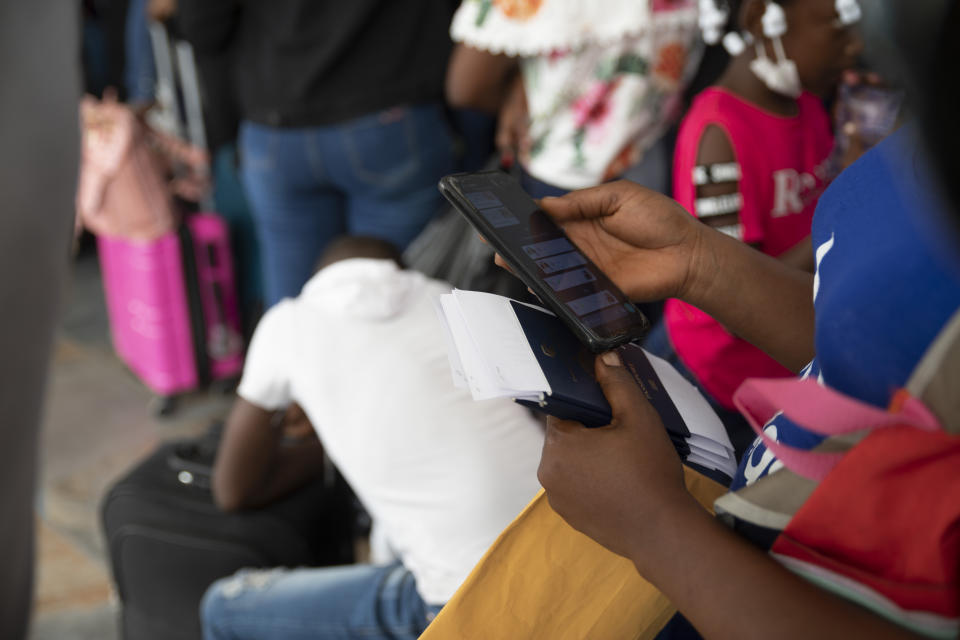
[222, 341]
[173, 314]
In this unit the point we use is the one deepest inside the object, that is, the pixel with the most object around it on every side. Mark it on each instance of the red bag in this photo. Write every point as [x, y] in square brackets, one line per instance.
[880, 522]
[883, 529]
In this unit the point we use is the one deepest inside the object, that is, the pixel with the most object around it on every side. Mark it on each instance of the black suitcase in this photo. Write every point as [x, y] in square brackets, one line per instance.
[168, 542]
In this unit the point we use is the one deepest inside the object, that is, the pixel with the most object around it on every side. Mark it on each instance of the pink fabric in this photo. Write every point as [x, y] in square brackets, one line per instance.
[145, 286]
[145, 290]
[217, 286]
[822, 410]
[123, 188]
[781, 161]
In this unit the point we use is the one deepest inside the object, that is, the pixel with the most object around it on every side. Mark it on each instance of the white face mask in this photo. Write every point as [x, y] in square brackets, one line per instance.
[781, 76]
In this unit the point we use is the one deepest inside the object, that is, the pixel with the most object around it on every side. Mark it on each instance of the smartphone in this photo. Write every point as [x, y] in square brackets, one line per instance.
[544, 258]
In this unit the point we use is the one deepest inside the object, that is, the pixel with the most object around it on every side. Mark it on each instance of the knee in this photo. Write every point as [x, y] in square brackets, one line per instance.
[212, 609]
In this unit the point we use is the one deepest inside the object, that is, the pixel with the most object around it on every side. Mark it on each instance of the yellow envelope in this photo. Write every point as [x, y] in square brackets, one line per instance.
[543, 580]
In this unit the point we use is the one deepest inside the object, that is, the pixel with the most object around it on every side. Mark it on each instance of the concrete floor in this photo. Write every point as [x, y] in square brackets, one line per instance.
[97, 424]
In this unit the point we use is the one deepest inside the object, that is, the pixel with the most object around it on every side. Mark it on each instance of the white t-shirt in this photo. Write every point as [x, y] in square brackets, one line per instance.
[361, 350]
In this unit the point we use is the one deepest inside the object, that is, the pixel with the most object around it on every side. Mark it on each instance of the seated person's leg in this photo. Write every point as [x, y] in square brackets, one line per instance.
[359, 601]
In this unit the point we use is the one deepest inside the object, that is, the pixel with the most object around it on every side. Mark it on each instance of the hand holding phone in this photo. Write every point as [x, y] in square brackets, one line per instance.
[544, 258]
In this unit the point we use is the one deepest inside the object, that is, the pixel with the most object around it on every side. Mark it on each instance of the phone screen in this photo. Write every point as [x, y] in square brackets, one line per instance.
[568, 277]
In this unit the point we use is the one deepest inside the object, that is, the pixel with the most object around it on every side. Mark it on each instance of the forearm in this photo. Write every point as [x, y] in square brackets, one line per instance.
[253, 464]
[477, 79]
[758, 298]
[292, 467]
[729, 589]
[799, 256]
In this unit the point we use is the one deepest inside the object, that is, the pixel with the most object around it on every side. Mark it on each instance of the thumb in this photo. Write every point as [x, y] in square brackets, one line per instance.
[620, 388]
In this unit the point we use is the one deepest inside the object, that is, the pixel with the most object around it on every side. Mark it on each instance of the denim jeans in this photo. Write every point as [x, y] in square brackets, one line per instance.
[375, 175]
[338, 603]
[140, 73]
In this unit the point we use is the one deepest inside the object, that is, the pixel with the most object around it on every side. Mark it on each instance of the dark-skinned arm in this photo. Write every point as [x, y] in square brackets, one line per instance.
[478, 79]
[622, 485]
[653, 249]
[254, 466]
[800, 256]
[715, 148]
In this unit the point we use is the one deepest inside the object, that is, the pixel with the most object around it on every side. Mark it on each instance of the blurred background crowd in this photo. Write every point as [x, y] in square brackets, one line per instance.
[258, 196]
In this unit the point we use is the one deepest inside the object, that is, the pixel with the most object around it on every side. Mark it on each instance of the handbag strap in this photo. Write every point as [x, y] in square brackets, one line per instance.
[824, 411]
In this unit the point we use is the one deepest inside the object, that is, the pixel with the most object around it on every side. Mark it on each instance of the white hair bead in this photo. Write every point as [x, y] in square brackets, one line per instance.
[774, 21]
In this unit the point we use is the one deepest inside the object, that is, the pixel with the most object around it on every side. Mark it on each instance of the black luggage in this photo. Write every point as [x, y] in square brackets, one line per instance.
[168, 542]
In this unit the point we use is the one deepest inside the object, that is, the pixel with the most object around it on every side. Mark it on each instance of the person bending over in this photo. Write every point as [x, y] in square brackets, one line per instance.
[343, 128]
[361, 351]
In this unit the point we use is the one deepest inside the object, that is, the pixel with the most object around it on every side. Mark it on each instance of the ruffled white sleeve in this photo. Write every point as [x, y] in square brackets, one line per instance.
[532, 27]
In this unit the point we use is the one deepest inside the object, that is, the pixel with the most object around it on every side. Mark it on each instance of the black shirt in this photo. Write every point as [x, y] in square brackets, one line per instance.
[318, 62]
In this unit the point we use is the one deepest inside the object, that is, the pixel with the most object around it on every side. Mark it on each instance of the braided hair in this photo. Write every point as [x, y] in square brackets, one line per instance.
[720, 26]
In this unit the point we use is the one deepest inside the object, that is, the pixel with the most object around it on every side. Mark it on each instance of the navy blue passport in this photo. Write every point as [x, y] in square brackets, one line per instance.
[575, 393]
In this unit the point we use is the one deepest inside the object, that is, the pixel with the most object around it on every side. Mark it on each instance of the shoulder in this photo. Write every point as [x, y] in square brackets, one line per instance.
[812, 110]
[427, 285]
[714, 145]
[422, 293]
[715, 115]
[708, 143]
[276, 322]
[716, 103]
[869, 189]
[810, 103]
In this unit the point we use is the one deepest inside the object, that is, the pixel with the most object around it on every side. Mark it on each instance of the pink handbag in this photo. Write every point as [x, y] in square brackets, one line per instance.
[124, 190]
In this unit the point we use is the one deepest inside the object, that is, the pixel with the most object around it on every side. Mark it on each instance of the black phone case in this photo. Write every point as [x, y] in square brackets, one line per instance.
[596, 344]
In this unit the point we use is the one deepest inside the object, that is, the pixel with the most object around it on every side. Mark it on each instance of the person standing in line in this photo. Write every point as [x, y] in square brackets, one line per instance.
[344, 128]
[585, 92]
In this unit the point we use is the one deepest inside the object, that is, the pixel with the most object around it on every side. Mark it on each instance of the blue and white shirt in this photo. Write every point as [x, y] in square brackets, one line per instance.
[882, 292]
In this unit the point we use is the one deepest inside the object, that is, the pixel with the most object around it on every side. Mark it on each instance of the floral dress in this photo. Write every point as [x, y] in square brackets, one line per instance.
[603, 78]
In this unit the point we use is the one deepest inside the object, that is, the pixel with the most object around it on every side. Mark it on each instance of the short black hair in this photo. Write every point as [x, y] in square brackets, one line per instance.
[346, 247]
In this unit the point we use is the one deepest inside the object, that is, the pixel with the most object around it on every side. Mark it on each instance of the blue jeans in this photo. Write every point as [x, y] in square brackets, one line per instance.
[375, 175]
[140, 75]
[338, 603]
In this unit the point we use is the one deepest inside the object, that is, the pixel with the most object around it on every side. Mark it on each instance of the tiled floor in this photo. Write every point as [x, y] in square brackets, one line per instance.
[97, 424]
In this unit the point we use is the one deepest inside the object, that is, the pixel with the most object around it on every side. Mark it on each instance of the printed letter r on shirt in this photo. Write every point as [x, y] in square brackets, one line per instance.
[786, 199]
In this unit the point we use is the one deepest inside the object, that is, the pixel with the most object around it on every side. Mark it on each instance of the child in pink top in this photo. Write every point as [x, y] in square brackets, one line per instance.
[750, 160]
